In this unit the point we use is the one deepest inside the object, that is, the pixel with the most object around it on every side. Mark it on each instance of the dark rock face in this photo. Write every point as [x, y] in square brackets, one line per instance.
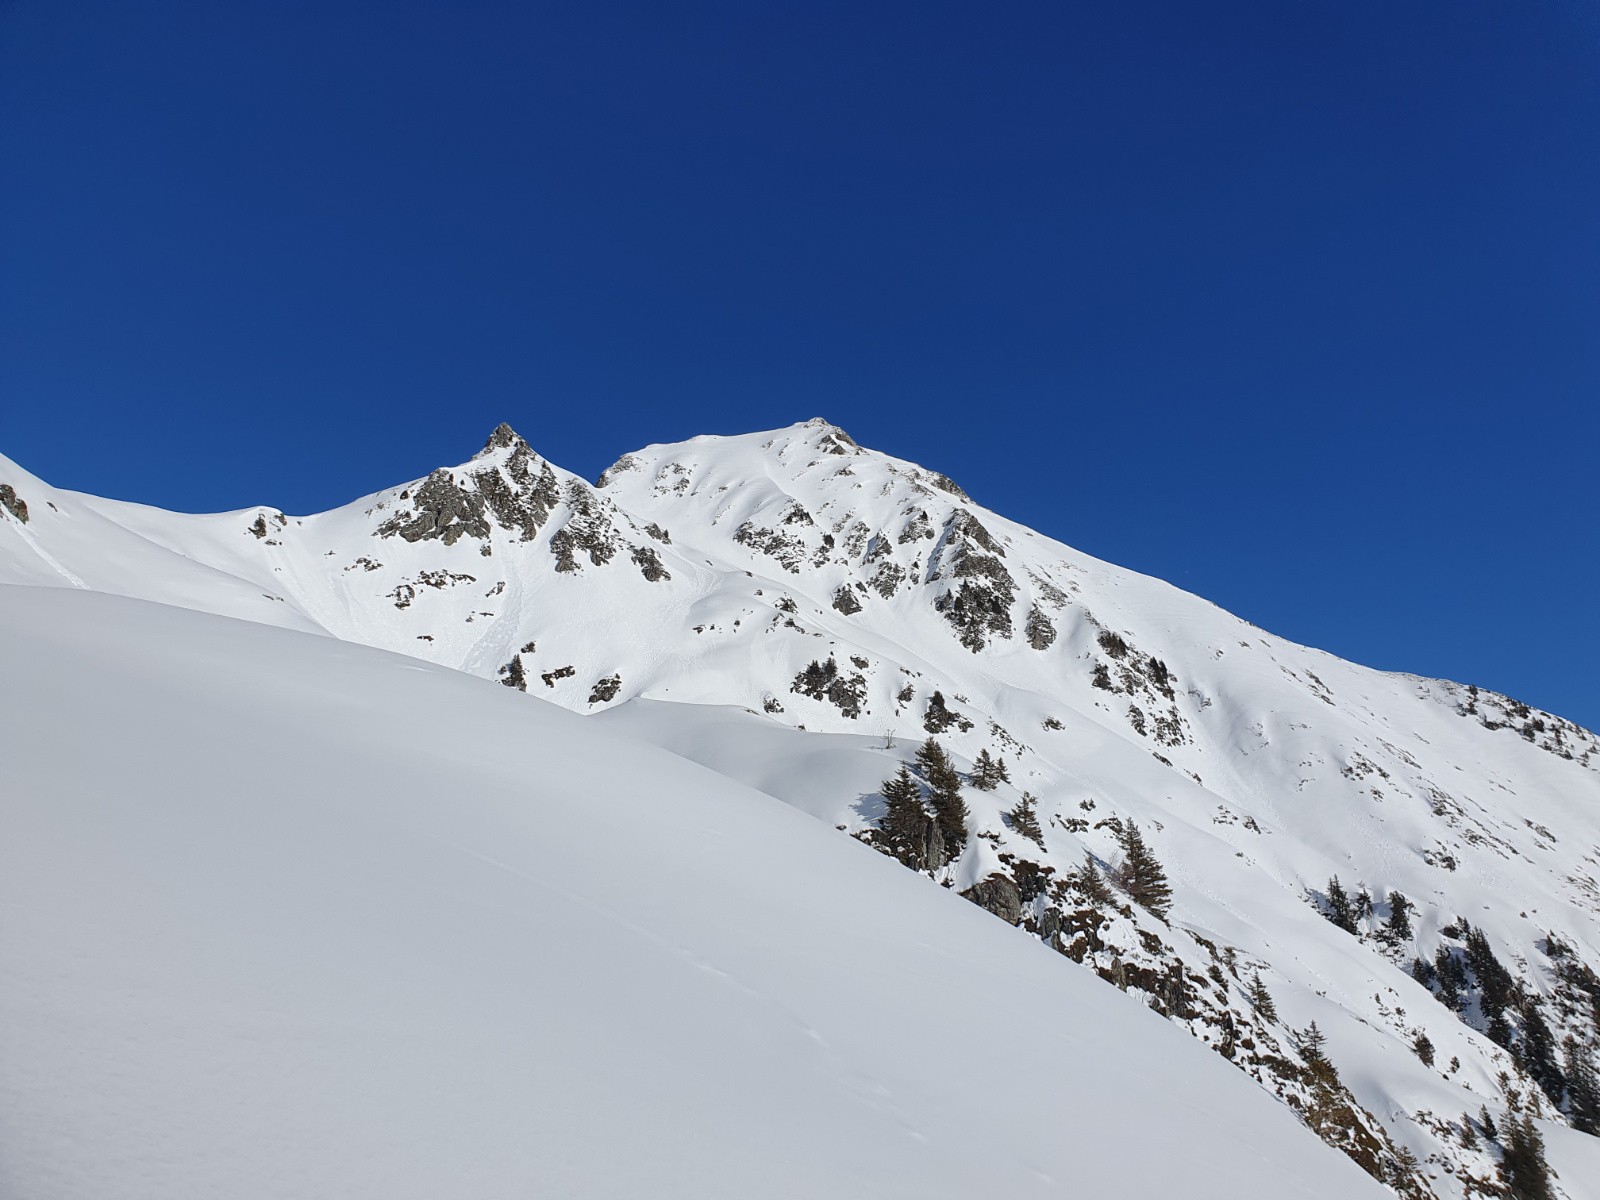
[513, 676]
[605, 690]
[998, 895]
[837, 441]
[13, 503]
[649, 564]
[1039, 629]
[979, 607]
[442, 509]
[525, 508]
[844, 600]
[518, 494]
[550, 677]
[1050, 928]
[945, 484]
[589, 530]
[525, 503]
[621, 467]
[935, 852]
[823, 681]
[938, 717]
[502, 437]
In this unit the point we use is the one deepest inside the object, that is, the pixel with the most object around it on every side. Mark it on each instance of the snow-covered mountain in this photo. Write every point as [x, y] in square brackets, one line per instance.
[799, 613]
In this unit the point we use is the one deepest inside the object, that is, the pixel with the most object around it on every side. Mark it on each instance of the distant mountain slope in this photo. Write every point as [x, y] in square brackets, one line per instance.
[792, 581]
[284, 918]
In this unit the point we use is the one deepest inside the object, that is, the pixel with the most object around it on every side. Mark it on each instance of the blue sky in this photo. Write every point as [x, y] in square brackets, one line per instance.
[1297, 306]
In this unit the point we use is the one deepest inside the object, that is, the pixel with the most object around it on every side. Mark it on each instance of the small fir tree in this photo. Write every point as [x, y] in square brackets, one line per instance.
[1140, 875]
[1024, 819]
[1451, 975]
[1363, 905]
[1089, 883]
[985, 777]
[1422, 1047]
[944, 794]
[1261, 999]
[1312, 1045]
[1397, 928]
[1486, 1123]
[1341, 910]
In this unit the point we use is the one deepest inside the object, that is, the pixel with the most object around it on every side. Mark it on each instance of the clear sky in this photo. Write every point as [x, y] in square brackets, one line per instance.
[1295, 305]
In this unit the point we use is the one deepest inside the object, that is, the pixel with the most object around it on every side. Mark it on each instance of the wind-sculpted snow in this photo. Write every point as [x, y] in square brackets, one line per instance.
[807, 590]
[287, 918]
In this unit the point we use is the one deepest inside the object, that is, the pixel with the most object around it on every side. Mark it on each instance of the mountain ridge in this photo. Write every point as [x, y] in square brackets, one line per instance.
[805, 585]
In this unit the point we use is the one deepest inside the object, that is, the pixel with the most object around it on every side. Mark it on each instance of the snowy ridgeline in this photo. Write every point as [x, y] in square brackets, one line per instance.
[1375, 895]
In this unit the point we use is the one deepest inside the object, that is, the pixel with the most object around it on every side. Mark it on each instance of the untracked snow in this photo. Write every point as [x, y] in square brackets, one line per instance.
[287, 917]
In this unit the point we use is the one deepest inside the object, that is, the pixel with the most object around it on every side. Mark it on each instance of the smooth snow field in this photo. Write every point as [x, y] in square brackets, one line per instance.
[288, 917]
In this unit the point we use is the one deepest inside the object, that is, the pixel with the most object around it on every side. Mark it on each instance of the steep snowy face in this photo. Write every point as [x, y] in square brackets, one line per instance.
[1411, 865]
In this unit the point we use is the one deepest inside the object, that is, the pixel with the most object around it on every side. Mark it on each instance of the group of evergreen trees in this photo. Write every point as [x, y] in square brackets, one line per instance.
[1458, 975]
[1347, 912]
[924, 833]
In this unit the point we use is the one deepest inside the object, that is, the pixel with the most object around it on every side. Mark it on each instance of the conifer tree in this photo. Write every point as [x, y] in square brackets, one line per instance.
[944, 794]
[1363, 904]
[1397, 929]
[1523, 1170]
[1583, 1087]
[1087, 881]
[1312, 1045]
[984, 775]
[1341, 911]
[1451, 975]
[1261, 999]
[1140, 875]
[903, 831]
[1535, 1053]
[1025, 819]
[1423, 1048]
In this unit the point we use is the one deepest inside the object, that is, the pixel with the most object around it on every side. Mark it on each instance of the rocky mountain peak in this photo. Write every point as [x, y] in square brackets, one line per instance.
[504, 437]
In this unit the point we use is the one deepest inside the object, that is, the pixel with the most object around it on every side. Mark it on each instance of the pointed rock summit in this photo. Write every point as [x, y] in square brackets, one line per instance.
[504, 437]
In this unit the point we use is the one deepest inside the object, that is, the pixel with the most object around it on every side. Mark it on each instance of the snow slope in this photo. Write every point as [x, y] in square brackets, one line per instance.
[287, 917]
[773, 605]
